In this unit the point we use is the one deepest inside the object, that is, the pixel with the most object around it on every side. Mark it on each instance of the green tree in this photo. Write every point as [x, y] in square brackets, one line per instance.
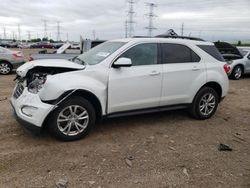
[45, 39]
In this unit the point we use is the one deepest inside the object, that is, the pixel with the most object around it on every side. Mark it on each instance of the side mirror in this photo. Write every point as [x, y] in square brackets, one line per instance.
[122, 62]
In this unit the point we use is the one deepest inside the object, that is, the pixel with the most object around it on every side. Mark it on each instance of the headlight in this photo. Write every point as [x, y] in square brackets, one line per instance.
[37, 83]
[229, 62]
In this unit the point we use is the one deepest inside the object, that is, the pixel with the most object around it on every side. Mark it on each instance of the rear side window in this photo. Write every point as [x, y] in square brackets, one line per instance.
[213, 51]
[177, 53]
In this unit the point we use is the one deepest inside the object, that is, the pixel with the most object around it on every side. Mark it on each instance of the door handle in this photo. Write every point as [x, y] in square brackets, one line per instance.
[154, 73]
[195, 68]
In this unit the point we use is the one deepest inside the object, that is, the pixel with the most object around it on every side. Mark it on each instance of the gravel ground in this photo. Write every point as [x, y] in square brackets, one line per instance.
[167, 149]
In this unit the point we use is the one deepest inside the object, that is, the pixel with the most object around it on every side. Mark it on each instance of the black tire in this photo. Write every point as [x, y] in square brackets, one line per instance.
[236, 72]
[5, 68]
[61, 111]
[196, 109]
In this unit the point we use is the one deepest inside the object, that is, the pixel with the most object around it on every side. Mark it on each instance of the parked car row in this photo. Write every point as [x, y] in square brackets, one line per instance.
[42, 44]
[8, 44]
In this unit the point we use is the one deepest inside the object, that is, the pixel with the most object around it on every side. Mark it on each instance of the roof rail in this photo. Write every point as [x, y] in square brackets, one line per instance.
[178, 37]
[141, 37]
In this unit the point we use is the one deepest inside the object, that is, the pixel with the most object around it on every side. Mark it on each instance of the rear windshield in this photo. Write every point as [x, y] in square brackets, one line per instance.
[213, 51]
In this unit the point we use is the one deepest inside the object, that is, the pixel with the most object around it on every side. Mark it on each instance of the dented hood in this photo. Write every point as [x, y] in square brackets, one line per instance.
[50, 63]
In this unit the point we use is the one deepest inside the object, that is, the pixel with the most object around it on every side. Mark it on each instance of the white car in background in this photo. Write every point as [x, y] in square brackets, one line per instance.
[117, 78]
[238, 67]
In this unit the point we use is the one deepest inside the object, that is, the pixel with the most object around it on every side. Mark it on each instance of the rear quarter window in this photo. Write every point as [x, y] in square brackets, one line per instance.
[213, 51]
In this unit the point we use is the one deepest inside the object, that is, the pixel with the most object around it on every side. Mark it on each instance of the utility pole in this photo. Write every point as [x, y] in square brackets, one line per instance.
[19, 32]
[150, 16]
[126, 29]
[58, 38]
[45, 28]
[131, 18]
[94, 34]
[29, 35]
[67, 36]
[4, 32]
[13, 35]
[182, 29]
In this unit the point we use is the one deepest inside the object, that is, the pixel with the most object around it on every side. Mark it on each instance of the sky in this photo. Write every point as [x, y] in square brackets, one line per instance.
[212, 20]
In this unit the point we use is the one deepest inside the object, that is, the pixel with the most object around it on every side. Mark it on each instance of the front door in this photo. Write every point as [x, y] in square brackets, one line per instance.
[138, 86]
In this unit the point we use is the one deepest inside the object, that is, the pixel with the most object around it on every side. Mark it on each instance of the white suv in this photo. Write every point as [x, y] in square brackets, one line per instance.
[120, 77]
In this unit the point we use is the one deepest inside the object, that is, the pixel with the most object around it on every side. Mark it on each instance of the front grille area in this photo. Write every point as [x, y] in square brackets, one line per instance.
[18, 91]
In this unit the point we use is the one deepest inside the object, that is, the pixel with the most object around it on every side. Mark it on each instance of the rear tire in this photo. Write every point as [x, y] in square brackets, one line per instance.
[237, 72]
[204, 104]
[5, 68]
[73, 119]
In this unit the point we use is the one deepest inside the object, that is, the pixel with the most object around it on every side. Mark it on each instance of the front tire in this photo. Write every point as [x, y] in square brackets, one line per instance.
[236, 73]
[204, 104]
[5, 68]
[73, 119]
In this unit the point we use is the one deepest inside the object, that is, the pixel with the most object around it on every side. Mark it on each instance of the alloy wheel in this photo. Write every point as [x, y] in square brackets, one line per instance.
[237, 73]
[73, 120]
[4, 68]
[207, 104]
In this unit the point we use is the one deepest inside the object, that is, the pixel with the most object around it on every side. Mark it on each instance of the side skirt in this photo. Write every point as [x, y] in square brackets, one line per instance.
[146, 111]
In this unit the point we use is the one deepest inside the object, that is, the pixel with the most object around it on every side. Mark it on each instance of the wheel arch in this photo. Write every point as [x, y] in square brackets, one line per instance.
[214, 85]
[6, 61]
[240, 65]
[92, 98]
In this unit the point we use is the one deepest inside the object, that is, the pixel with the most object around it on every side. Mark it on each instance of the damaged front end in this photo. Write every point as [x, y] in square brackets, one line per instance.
[36, 77]
[29, 109]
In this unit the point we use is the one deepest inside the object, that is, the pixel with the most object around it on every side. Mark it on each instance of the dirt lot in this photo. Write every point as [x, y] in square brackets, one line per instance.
[167, 149]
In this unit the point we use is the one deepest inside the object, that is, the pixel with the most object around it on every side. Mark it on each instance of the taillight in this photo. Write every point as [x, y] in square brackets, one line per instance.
[30, 58]
[17, 55]
[226, 68]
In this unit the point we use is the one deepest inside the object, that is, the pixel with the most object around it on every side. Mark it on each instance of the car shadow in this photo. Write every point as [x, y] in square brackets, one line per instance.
[143, 120]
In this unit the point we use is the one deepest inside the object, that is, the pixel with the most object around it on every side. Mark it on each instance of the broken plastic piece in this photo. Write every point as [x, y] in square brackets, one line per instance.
[223, 147]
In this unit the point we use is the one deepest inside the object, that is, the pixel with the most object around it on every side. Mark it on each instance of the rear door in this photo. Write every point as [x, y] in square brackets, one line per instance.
[138, 86]
[183, 73]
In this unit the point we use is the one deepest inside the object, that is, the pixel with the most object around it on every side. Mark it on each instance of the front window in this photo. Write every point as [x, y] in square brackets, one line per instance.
[142, 54]
[99, 53]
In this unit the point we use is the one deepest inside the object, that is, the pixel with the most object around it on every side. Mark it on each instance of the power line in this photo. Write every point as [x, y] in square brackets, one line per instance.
[150, 16]
[131, 21]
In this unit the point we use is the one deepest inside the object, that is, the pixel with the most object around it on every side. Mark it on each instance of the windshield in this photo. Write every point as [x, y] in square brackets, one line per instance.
[99, 53]
[244, 52]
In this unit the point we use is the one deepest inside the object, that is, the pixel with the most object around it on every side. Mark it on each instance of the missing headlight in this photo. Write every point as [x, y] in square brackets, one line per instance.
[38, 79]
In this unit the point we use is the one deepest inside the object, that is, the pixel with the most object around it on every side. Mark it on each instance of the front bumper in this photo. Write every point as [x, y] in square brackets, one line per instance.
[34, 119]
